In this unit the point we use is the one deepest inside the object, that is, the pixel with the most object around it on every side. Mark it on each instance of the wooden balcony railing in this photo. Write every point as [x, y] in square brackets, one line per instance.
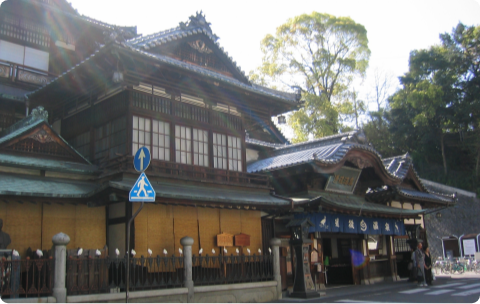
[20, 73]
[125, 163]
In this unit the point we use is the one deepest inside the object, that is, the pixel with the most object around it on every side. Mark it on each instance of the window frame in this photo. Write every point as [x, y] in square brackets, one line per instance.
[167, 150]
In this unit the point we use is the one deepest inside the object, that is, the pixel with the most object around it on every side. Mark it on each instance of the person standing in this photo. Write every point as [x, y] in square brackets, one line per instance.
[412, 267]
[420, 260]
[428, 266]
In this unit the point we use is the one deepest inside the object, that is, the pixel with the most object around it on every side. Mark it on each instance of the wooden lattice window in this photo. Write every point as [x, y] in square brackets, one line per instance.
[152, 98]
[110, 139]
[30, 145]
[81, 143]
[25, 30]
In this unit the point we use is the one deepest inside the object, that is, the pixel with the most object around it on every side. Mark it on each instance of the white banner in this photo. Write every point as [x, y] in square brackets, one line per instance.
[469, 247]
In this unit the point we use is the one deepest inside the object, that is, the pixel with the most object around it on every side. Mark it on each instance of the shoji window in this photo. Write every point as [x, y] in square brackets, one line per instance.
[183, 145]
[153, 134]
[234, 153]
[219, 151]
[200, 147]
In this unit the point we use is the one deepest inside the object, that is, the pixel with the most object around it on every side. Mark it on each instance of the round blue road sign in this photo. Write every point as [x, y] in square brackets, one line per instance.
[142, 159]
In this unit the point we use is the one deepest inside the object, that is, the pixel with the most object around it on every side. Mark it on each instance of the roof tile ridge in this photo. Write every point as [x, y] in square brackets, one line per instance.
[153, 35]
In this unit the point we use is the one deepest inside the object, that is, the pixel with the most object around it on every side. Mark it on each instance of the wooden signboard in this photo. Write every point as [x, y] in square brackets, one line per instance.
[224, 240]
[242, 240]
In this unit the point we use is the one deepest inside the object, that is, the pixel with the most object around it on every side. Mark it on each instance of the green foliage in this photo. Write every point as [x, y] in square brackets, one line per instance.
[321, 54]
[436, 114]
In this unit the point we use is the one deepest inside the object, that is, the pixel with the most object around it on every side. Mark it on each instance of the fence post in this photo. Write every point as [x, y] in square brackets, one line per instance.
[60, 241]
[187, 243]
[275, 243]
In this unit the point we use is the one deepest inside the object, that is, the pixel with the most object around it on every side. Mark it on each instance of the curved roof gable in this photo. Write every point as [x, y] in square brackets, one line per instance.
[196, 26]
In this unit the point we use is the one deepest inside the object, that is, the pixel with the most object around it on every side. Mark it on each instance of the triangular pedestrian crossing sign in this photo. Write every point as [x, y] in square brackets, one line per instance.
[142, 190]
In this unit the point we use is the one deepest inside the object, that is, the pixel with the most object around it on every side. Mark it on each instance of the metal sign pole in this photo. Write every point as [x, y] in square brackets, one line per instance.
[128, 249]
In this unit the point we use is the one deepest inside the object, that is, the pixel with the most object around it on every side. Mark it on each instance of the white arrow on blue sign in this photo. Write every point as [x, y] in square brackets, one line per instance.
[142, 191]
[141, 159]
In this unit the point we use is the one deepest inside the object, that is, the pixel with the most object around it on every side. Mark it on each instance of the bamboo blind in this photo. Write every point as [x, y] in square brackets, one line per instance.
[160, 229]
[23, 222]
[154, 230]
[85, 226]
[56, 219]
[141, 231]
[252, 225]
[230, 222]
[209, 227]
[186, 224]
[90, 227]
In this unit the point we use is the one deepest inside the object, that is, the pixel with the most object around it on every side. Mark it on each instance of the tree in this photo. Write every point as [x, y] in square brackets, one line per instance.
[321, 54]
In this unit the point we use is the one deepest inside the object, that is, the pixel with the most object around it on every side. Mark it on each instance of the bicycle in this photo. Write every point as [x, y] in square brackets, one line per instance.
[457, 266]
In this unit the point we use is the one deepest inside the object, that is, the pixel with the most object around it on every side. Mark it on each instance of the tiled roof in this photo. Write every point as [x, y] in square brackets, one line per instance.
[27, 185]
[196, 25]
[357, 203]
[94, 54]
[327, 150]
[262, 143]
[446, 190]
[207, 193]
[433, 197]
[289, 97]
[22, 161]
[37, 117]
[398, 166]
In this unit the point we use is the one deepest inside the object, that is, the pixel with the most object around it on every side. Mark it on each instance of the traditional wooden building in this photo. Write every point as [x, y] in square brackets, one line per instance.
[39, 40]
[179, 94]
[219, 163]
[366, 210]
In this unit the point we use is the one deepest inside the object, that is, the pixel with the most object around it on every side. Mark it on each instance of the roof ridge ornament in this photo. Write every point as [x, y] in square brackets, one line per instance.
[39, 113]
[198, 21]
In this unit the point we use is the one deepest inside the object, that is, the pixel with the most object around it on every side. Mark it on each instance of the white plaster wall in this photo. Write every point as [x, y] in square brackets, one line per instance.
[252, 155]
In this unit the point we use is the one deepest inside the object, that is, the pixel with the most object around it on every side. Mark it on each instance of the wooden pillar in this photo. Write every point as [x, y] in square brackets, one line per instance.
[392, 258]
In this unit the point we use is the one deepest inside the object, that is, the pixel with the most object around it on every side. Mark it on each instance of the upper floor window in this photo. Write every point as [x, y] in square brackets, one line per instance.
[187, 146]
[183, 145]
[200, 147]
[222, 143]
[23, 55]
[153, 134]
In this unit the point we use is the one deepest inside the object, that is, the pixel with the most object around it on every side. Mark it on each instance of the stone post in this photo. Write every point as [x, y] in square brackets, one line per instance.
[187, 243]
[60, 241]
[275, 243]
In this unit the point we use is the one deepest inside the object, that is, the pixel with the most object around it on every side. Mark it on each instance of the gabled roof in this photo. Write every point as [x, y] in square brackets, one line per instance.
[197, 25]
[35, 127]
[328, 150]
[400, 165]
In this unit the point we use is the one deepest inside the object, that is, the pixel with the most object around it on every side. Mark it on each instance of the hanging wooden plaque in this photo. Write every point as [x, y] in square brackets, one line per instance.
[242, 240]
[224, 240]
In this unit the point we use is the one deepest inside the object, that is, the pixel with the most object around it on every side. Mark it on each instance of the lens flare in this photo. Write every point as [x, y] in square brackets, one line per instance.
[358, 259]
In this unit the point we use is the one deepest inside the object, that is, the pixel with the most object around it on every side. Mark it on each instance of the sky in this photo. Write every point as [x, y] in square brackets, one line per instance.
[394, 27]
